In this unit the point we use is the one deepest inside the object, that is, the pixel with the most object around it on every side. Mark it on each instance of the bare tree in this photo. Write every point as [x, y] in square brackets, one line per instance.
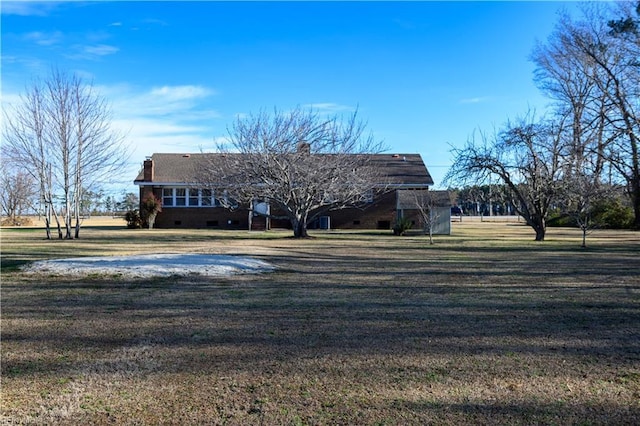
[429, 205]
[582, 193]
[61, 132]
[568, 76]
[26, 143]
[17, 192]
[526, 157]
[612, 47]
[300, 162]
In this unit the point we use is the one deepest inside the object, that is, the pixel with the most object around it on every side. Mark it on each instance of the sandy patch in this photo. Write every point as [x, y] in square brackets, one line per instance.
[144, 266]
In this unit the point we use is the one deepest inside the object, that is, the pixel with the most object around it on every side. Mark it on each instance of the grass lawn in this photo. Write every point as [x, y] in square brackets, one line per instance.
[483, 327]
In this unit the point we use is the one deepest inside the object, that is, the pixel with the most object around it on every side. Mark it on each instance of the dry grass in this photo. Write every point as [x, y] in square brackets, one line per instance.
[483, 327]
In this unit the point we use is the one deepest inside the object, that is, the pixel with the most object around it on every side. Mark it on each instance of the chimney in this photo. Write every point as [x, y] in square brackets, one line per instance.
[304, 147]
[148, 170]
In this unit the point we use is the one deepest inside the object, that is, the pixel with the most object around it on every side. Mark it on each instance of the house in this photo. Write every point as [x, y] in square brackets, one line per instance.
[172, 177]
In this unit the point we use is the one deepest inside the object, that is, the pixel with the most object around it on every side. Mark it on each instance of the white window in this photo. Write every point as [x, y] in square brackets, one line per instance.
[194, 197]
[207, 199]
[167, 197]
[188, 197]
[181, 196]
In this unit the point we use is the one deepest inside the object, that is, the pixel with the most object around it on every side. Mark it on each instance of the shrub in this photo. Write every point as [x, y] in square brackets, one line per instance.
[134, 221]
[151, 206]
[559, 219]
[402, 225]
[613, 214]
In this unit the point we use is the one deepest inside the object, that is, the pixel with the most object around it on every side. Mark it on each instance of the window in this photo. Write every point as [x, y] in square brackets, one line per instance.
[194, 197]
[188, 197]
[181, 196]
[167, 197]
[207, 196]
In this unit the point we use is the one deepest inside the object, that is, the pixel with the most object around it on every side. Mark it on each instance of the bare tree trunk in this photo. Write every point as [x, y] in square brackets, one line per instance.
[431, 219]
[299, 226]
[47, 220]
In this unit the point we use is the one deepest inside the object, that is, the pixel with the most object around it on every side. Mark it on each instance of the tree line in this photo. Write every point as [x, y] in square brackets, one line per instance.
[585, 150]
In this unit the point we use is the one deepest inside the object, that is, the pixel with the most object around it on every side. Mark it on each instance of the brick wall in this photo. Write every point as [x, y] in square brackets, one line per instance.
[212, 218]
[381, 214]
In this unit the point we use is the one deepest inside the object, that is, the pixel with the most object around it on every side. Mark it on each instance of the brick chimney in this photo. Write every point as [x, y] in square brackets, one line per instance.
[148, 170]
[304, 147]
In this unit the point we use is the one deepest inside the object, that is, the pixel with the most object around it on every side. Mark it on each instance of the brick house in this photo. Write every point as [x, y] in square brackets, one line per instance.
[172, 177]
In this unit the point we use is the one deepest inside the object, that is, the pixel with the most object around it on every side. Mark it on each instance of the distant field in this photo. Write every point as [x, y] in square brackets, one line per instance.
[486, 326]
[115, 221]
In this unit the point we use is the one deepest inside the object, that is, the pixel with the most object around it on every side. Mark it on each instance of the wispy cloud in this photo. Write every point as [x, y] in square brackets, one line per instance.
[44, 39]
[34, 65]
[166, 103]
[175, 93]
[330, 107]
[28, 8]
[100, 50]
[476, 100]
[162, 119]
[165, 118]
[91, 51]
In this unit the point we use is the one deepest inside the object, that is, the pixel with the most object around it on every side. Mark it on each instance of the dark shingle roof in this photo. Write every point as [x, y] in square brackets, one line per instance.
[401, 169]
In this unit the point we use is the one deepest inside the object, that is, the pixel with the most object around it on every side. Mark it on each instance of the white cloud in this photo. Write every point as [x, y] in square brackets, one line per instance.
[163, 119]
[44, 39]
[28, 8]
[100, 50]
[476, 100]
[167, 102]
[181, 92]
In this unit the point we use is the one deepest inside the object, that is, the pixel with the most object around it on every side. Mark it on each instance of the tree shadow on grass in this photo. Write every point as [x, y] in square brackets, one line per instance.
[320, 302]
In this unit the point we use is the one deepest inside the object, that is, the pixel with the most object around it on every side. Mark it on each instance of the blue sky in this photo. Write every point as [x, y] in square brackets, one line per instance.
[423, 75]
